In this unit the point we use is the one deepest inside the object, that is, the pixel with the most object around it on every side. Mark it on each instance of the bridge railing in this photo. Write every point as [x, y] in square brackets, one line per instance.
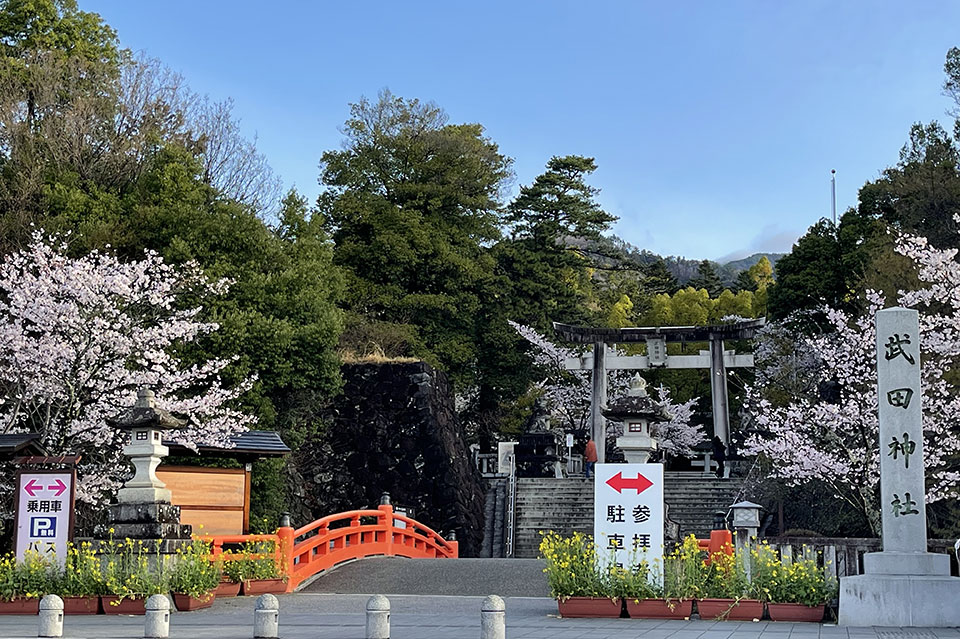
[335, 539]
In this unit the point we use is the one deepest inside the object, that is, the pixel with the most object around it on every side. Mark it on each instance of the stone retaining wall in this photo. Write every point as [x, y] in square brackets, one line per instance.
[395, 430]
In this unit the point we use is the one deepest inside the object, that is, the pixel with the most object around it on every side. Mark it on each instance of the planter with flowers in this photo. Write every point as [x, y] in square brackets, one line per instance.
[573, 578]
[795, 592]
[260, 572]
[194, 578]
[232, 573]
[23, 583]
[667, 593]
[81, 580]
[131, 573]
[727, 593]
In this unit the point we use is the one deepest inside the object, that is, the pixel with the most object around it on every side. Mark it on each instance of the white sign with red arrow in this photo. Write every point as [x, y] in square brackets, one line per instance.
[44, 513]
[628, 514]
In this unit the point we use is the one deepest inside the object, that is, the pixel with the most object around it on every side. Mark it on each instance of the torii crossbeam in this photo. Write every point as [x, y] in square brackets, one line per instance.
[657, 338]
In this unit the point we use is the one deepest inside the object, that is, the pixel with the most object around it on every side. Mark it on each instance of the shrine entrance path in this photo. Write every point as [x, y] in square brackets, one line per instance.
[457, 577]
[327, 616]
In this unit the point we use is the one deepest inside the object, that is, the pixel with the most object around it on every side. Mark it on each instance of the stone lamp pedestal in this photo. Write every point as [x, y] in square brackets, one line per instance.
[144, 510]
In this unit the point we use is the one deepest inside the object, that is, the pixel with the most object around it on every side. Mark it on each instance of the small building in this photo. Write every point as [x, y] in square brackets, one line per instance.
[218, 499]
[13, 445]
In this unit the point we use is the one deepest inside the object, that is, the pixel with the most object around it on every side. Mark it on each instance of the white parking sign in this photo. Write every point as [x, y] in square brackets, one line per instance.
[628, 514]
[44, 513]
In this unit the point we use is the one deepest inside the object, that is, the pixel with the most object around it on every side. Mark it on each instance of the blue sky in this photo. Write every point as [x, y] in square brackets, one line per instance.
[714, 124]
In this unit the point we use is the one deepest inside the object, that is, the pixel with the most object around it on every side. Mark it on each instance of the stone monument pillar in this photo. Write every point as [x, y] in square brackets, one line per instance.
[904, 585]
[144, 510]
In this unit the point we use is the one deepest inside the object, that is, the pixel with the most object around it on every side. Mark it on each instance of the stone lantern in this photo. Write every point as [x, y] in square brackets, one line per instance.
[638, 412]
[144, 510]
[746, 522]
[746, 514]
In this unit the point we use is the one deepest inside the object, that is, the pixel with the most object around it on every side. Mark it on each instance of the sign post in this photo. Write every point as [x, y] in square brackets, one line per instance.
[903, 585]
[44, 507]
[628, 514]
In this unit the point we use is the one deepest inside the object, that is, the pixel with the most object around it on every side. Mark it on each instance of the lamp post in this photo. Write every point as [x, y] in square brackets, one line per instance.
[746, 525]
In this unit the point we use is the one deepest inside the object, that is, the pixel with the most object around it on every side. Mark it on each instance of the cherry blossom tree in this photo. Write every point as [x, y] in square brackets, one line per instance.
[567, 396]
[808, 435]
[79, 337]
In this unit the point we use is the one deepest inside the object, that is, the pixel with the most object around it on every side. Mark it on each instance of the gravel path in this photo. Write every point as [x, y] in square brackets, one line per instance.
[463, 577]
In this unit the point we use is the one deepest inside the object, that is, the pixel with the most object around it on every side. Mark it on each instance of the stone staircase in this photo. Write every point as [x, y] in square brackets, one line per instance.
[494, 514]
[693, 500]
[563, 505]
[566, 506]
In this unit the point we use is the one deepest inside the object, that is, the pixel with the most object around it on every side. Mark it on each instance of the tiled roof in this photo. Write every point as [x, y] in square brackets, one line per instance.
[12, 443]
[256, 443]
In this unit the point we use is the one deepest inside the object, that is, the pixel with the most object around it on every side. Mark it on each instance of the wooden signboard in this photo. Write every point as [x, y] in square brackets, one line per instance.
[218, 499]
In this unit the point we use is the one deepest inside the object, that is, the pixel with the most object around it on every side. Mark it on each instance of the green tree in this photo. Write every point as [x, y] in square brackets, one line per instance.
[29, 26]
[757, 279]
[826, 266]
[658, 279]
[921, 194]
[279, 318]
[544, 273]
[411, 203]
[545, 262]
[707, 278]
[729, 303]
[619, 316]
[559, 205]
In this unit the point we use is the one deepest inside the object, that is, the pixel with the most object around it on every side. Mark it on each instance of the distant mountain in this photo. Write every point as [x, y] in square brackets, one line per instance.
[729, 271]
[683, 269]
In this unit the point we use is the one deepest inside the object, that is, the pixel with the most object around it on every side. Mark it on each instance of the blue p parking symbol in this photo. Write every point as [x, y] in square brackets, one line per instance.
[43, 527]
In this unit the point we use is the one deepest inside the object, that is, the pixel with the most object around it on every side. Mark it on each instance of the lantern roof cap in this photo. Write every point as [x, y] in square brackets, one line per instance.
[636, 404]
[145, 414]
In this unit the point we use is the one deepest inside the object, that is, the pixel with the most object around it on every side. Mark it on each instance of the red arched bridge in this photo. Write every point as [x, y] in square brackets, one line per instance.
[303, 552]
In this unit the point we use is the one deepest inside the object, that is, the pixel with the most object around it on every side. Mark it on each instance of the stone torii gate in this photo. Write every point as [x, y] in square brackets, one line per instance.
[657, 338]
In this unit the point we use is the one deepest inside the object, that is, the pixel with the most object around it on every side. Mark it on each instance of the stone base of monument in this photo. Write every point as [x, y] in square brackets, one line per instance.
[901, 589]
[147, 521]
[900, 600]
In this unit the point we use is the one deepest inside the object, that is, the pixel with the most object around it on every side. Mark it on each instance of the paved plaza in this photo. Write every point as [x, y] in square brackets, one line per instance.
[331, 616]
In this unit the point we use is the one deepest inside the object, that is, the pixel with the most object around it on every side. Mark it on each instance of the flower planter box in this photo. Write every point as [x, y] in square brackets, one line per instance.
[186, 603]
[589, 607]
[20, 607]
[659, 609]
[730, 609]
[113, 605]
[81, 605]
[227, 589]
[264, 586]
[795, 612]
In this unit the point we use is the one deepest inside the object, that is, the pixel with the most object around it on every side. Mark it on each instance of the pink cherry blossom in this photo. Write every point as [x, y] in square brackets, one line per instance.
[806, 438]
[79, 337]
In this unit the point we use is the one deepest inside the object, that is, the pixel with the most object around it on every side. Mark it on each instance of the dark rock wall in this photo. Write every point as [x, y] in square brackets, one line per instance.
[395, 430]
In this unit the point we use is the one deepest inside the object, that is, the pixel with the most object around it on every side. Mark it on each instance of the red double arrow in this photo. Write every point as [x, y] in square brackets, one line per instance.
[31, 487]
[57, 487]
[639, 483]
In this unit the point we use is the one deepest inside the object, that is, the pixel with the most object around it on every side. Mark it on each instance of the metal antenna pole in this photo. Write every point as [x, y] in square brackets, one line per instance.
[833, 193]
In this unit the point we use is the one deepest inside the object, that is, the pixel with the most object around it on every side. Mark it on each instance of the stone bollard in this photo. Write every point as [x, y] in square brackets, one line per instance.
[156, 620]
[51, 616]
[493, 618]
[378, 617]
[266, 618]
